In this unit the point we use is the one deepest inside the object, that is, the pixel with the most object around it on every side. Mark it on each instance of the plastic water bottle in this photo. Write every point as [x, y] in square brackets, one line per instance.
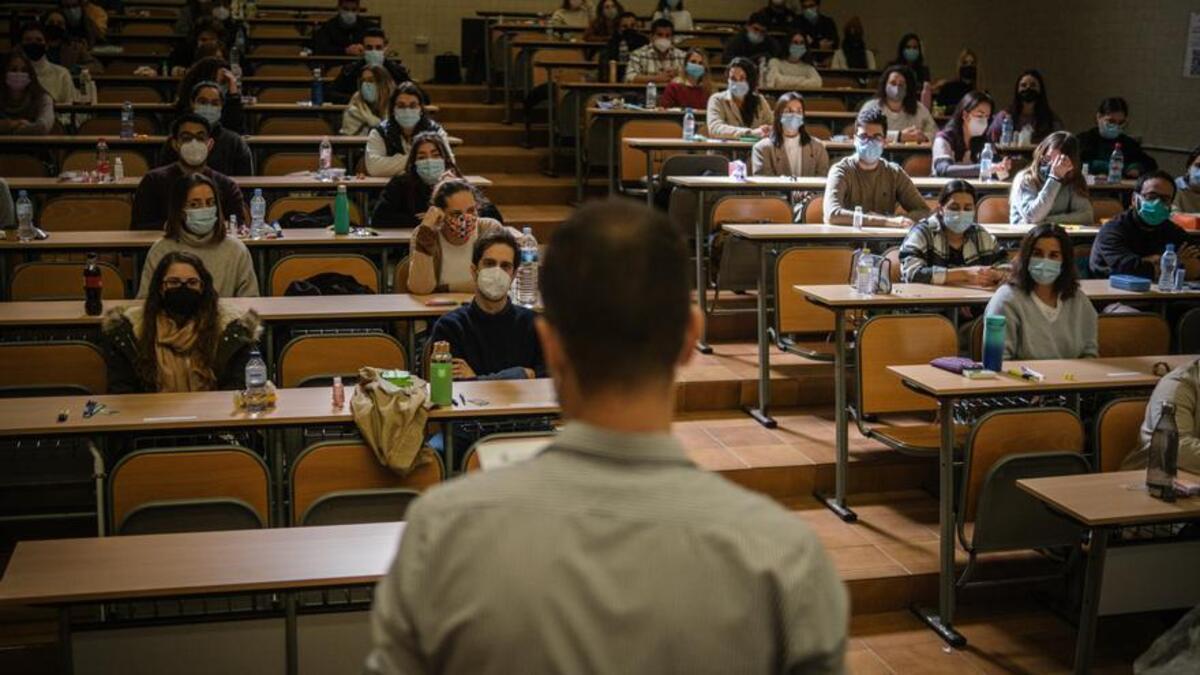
[255, 395]
[1006, 131]
[235, 63]
[103, 168]
[651, 95]
[1162, 463]
[527, 273]
[258, 214]
[25, 229]
[318, 88]
[1116, 165]
[862, 273]
[118, 169]
[341, 211]
[993, 342]
[126, 120]
[231, 229]
[85, 87]
[1167, 266]
[858, 218]
[985, 162]
[737, 170]
[325, 158]
[689, 124]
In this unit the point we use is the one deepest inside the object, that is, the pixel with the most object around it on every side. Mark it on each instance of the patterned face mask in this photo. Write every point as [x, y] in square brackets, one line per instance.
[462, 226]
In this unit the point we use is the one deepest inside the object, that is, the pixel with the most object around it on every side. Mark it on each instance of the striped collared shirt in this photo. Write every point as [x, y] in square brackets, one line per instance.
[925, 255]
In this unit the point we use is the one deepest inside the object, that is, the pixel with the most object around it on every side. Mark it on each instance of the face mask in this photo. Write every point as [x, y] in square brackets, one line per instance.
[694, 70]
[1044, 172]
[373, 57]
[493, 283]
[369, 92]
[739, 89]
[193, 153]
[958, 221]
[895, 92]
[73, 14]
[662, 44]
[791, 122]
[16, 80]
[868, 151]
[347, 17]
[181, 302]
[976, 126]
[430, 170]
[201, 221]
[34, 51]
[221, 13]
[1109, 130]
[672, 3]
[1044, 270]
[967, 73]
[1028, 95]
[1194, 176]
[811, 14]
[212, 113]
[611, 13]
[754, 36]
[911, 54]
[407, 117]
[461, 227]
[1153, 211]
[853, 40]
[797, 51]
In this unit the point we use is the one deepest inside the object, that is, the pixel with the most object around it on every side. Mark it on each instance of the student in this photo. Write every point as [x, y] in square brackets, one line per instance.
[342, 34]
[950, 93]
[1030, 107]
[911, 54]
[1133, 242]
[8, 211]
[368, 105]
[692, 87]
[821, 31]
[579, 518]
[896, 95]
[374, 55]
[777, 17]
[1047, 315]
[55, 79]
[191, 139]
[406, 196]
[197, 225]
[949, 247]
[1182, 388]
[606, 22]
[572, 14]
[69, 51]
[182, 338]
[789, 150]
[442, 243]
[867, 180]
[673, 11]
[853, 53]
[85, 20]
[1051, 189]
[794, 71]
[659, 61]
[213, 69]
[491, 338]
[739, 110]
[195, 12]
[206, 32]
[1096, 144]
[229, 153]
[25, 107]
[1187, 186]
[389, 143]
[752, 42]
[626, 41]
[957, 147]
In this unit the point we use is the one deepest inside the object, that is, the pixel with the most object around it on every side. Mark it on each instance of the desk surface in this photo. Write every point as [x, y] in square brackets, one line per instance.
[63, 571]
[928, 183]
[842, 296]
[144, 239]
[787, 232]
[719, 143]
[1111, 499]
[156, 140]
[635, 86]
[299, 182]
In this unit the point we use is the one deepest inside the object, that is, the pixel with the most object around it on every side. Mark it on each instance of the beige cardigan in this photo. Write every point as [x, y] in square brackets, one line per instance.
[425, 273]
[725, 117]
[768, 160]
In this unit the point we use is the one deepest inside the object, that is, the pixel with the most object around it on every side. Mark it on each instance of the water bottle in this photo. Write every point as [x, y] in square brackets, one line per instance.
[1167, 265]
[1116, 165]
[1006, 131]
[341, 211]
[85, 87]
[126, 120]
[258, 214]
[118, 169]
[93, 287]
[25, 229]
[737, 170]
[985, 163]
[255, 396]
[324, 158]
[527, 273]
[231, 229]
[1161, 465]
[993, 342]
[862, 273]
[441, 374]
[689, 124]
[858, 218]
[235, 63]
[651, 95]
[103, 169]
[318, 88]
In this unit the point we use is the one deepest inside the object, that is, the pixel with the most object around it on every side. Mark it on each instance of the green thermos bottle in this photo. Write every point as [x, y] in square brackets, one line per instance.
[441, 374]
[341, 212]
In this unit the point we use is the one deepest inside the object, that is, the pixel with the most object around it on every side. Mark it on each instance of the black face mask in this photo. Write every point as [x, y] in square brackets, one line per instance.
[34, 51]
[967, 73]
[1029, 95]
[182, 302]
[853, 40]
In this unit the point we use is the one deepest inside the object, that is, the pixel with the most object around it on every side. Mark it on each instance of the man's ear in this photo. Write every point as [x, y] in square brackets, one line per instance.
[552, 347]
[211, 142]
[475, 272]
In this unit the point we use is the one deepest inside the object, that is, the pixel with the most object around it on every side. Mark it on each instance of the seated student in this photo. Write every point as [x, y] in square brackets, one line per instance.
[789, 150]
[957, 147]
[205, 32]
[342, 34]
[692, 87]
[1180, 387]
[389, 143]
[776, 16]
[182, 338]
[374, 55]
[213, 69]
[8, 211]
[1047, 314]
[950, 93]
[624, 42]
[911, 54]
[572, 14]
[606, 22]
[1051, 189]
[821, 31]
[866, 180]
[55, 79]
[1096, 144]
[853, 53]
[794, 71]
[739, 110]
[492, 338]
[1030, 107]
[752, 42]
[191, 139]
[229, 153]
[406, 196]
[198, 11]
[196, 224]
[85, 20]
[1187, 186]
[659, 61]
[949, 247]
[1133, 242]
[25, 108]
[673, 11]
[69, 51]
[369, 105]
[896, 95]
[442, 243]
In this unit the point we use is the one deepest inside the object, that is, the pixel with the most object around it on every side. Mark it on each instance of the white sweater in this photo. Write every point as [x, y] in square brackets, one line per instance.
[785, 74]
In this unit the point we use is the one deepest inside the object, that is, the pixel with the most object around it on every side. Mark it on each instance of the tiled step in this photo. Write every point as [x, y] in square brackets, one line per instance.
[452, 112]
[529, 188]
[727, 379]
[494, 133]
[455, 93]
[543, 218]
[486, 160]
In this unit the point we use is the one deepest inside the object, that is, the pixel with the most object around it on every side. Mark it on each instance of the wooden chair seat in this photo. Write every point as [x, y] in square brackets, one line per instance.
[316, 357]
[917, 438]
[98, 213]
[337, 466]
[1133, 334]
[53, 367]
[298, 267]
[992, 210]
[42, 280]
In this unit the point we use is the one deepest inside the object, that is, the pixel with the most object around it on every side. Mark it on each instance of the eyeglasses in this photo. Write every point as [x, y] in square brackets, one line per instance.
[867, 137]
[171, 283]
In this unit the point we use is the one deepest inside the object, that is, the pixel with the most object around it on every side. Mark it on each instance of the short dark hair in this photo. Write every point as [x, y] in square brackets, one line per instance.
[189, 118]
[31, 26]
[758, 18]
[374, 31]
[662, 23]
[954, 187]
[206, 84]
[1067, 282]
[1113, 104]
[1191, 158]
[625, 14]
[625, 328]
[1151, 175]
[871, 113]
[909, 102]
[500, 236]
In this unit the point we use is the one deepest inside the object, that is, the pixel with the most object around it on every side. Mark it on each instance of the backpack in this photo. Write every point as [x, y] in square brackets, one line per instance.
[328, 283]
[447, 69]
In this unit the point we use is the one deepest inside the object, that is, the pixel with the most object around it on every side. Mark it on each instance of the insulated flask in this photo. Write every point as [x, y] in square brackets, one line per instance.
[993, 342]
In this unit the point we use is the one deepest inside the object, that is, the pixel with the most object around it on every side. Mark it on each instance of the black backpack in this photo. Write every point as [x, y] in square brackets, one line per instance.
[447, 69]
[328, 283]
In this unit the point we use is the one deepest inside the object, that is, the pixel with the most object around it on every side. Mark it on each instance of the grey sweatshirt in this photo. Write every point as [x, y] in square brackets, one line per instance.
[1053, 203]
[1181, 387]
[1029, 335]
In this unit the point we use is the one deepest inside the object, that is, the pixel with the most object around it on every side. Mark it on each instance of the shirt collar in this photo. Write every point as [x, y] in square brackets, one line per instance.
[621, 446]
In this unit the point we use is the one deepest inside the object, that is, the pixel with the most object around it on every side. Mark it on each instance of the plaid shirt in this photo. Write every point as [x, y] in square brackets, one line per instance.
[648, 61]
[925, 254]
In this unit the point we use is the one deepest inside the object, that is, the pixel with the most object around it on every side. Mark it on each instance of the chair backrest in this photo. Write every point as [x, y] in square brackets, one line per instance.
[809, 265]
[295, 126]
[98, 213]
[633, 161]
[1188, 332]
[814, 210]
[560, 74]
[133, 94]
[134, 162]
[892, 255]
[400, 277]
[42, 280]
[992, 210]
[503, 449]
[13, 165]
[147, 28]
[52, 367]
[1133, 334]
[111, 126]
[283, 70]
[308, 204]
[818, 130]
[191, 515]
[330, 472]
[1105, 209]
[1008, 518]
[825, 104]
[156, 49]
[898, 340]
[918, 164]
[284, 95]
[273, 50]
[302, 266]
[182, 476]
[284, 163]
[320, 357]
[1118, 425]
[747, 209]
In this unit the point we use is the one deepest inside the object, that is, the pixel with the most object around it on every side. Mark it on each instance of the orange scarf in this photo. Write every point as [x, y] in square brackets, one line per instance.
[173, 351]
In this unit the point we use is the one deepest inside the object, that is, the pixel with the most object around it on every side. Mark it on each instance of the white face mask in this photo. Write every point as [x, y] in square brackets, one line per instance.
[662, 44]
[976, 126]
[201, 221]
[493, 283]
[220, 13]
[194, 152]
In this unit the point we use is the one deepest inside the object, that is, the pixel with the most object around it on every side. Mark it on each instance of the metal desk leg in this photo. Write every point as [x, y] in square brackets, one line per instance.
[701, 285]
[275, 441]
[762, 412]
[1085, 639]
[487, 59]
[448, 446]
[290, 634]
[260, 257]
[67, 656]
[837, 503]
[410, 339]
[649, 177]
[942, 621]
[507, 68]
[580, 144]
[551, 95]
[612, 155]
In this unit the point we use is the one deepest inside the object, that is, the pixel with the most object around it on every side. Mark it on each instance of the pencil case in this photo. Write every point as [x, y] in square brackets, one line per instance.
[1128, 282]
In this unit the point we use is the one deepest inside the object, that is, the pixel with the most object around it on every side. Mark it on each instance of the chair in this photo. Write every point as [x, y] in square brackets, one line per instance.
[1118, 426]
[189, 490]
[149, 28]
[98, 213]
[892, 255]
[51, 369]
[825, 104]
[41, 280]
[133, 94]
[899, 340]
[681, 208]
[134, 162]
[738, 266]
[818, 130]
[1188, 332]
[111, 126]
[286, 163]
[274, 50]
[633, 162]
[298, 267]
[502, 449]
[22, 166]
[283, 70]
[1133, 334]
[992, 210]
[308, 204]
[284, 95]
[400, 277]
[274, 31]
[1104, 210]
[295, 126]
[317, 358]
[814, 210]
[918, 164]
[340, 482]
[795, 315]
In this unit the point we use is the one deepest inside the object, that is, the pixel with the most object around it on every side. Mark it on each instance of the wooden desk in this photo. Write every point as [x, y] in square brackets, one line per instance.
[946, 388]
[1105, 503]
[295, 182]
[925, 184]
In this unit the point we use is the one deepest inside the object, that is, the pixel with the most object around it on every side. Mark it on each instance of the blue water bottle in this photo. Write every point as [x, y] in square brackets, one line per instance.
[993, 342]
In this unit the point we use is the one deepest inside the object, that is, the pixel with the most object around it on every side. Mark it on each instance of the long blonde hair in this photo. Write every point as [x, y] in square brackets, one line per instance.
[383, 87]
[705, 81]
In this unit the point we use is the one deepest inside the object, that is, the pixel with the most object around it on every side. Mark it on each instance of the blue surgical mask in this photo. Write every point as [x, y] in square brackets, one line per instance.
[373, 57]
[958, 221]
[791, 122]
[1044, 270]
[1044, 172]
[868, 151]
[797, 51]
[754, 36]
[911, 55]
[811, 14]
[430, 170]
[694, 70]
[1153, 211]
[739, 89]
[407, 117]
[201, 221]
[1194, 176]
[369, 91]
[212, 113]
[1109, 131]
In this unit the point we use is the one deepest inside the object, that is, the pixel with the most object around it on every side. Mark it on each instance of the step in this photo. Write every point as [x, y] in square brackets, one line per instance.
[486, 160]
[543, 218]
[450, 113]
[455, 93]
[495, 133]
[529, 188]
